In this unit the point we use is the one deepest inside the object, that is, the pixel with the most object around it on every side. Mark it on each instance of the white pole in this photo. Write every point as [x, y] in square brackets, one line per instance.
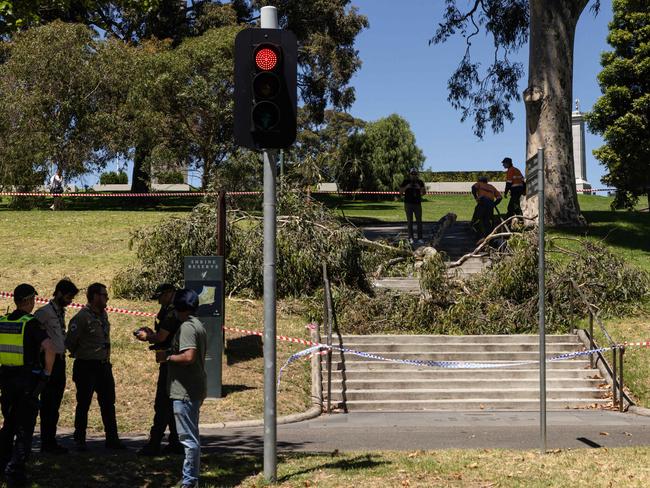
[269, 20]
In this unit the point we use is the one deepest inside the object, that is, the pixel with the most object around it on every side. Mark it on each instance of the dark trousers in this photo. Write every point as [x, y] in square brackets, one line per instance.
[90, 377]
[414, 209]
[51, 402]
[514, 205]
[19, 412]
[485, 214]
[163, 412]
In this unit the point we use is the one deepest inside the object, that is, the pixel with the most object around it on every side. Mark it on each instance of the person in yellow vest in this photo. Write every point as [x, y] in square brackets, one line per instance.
[22, 378]
[515, 185]
[487, 197]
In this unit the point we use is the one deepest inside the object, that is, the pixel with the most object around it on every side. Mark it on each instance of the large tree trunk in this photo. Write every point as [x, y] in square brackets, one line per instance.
[548, 101]
[140, 179]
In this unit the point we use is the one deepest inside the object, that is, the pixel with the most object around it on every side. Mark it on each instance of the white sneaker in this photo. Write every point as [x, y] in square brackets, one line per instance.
[419, 241]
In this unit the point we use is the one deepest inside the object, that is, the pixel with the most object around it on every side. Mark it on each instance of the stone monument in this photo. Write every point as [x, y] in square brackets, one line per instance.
[579, 154]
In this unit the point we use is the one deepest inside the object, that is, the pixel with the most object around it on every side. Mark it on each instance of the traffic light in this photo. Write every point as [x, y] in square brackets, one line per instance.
[265, 88]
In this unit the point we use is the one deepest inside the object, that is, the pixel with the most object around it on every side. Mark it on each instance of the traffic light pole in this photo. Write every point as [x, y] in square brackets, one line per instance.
[269, 20]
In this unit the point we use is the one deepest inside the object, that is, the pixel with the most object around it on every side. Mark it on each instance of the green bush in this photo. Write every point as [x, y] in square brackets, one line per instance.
[170, 178]
[461, 176]
[113, 178]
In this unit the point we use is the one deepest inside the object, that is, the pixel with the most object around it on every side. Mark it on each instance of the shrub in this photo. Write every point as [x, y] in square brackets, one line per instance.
[170, 178]
[113, 178]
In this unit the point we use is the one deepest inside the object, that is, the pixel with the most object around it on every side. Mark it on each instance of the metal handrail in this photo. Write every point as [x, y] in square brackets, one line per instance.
[618, 352]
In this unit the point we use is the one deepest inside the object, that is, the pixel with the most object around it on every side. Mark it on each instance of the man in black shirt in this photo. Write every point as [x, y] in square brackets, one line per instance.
[413, 188]
[165, 328]
[22, 379]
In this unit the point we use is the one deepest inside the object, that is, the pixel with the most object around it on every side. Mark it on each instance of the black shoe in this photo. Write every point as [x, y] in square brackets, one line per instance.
[54, 449]
[173, 448]
[149, 450]
[80, 445]
[115, 444]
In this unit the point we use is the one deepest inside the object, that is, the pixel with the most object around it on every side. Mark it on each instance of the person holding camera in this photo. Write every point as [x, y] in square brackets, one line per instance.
[187, 380]
[89, 342]
[165, 327]
[22, 378]
[413, 188]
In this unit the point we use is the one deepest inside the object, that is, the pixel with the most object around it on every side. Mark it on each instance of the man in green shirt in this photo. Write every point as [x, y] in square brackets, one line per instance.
[187, 381]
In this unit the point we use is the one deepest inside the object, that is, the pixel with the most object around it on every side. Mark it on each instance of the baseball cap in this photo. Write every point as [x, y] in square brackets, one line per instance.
[186, 299]
[162, 288]
[23, 292]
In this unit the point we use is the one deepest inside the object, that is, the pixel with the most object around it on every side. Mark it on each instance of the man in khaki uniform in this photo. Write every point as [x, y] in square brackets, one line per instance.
[52, 317]
[89, 342]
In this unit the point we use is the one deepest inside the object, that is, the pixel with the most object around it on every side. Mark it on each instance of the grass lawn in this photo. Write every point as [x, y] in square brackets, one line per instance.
[626, 467]
[89, 246]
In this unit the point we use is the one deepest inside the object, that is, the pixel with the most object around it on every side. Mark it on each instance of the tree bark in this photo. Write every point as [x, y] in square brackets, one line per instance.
[548, 100]
[140, 179]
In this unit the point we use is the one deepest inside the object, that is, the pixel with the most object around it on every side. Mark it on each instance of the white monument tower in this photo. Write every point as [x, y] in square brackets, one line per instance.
[579, 155]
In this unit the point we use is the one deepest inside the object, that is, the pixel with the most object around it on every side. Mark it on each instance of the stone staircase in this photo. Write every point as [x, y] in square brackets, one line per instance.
[360, 384]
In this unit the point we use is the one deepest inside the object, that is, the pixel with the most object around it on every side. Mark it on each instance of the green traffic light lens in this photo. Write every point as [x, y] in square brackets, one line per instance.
[266, 116]
[266, 85]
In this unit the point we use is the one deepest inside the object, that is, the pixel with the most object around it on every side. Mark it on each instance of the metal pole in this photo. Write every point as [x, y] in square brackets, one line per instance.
[270, 427]
[269, 20]
[281, 170]
[614, 378]
[591, 338]
[328, 315]
[621, 403]
[542, 326]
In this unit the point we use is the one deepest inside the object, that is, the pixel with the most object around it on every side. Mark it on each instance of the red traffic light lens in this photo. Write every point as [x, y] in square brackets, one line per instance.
[266, 58]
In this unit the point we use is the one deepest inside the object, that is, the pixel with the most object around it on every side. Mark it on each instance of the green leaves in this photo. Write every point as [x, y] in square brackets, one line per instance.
[622, 113]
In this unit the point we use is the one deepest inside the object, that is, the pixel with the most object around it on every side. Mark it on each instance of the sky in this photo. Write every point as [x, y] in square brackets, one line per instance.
[403, 74]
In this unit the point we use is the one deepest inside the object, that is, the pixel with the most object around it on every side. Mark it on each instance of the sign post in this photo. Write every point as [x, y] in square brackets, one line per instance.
[205, 275]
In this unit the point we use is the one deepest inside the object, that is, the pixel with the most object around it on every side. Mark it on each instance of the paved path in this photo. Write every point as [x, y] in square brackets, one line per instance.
[426, 431]
[442, 430]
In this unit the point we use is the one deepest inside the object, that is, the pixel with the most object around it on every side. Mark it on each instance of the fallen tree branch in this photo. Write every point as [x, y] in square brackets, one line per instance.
[384, 247]
[381, 267]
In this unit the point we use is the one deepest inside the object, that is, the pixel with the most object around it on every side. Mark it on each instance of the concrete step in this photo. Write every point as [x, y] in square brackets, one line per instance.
[450, 356]
[386, 365]
[481, 404]
[462, 384]
[555, 347]
[469, 394]
[402, 375]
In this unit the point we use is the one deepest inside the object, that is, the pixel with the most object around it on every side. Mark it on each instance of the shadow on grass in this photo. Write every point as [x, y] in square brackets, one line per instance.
[243, 349]
[230, 389]
[122, 470]
[629, 230]
[359, 462]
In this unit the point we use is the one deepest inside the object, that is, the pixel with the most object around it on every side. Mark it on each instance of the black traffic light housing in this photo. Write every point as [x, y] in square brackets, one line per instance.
[265, 88]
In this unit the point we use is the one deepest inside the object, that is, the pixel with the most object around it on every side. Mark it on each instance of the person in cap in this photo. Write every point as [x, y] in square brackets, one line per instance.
[487, 198]
[165, 326]
[187, 380]
[23, 375]
[515, 185]
[52, 317]
[413, 188]
[89, 341]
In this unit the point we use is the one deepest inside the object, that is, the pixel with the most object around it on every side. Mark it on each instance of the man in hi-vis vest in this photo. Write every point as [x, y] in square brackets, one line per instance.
[487, 197]
[515, 185]
[22, 379]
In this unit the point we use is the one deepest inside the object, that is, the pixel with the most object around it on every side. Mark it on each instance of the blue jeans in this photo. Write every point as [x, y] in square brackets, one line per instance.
[186, 414]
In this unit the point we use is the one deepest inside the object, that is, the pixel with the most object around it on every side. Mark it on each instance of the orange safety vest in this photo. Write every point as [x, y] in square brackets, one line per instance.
[486, 190]
[514, 177]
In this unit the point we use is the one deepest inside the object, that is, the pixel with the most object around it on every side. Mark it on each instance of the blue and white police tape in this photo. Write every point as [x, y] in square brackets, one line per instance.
[436, 364]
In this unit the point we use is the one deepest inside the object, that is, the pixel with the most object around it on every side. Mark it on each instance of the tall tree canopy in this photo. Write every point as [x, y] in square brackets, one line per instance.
[486, 95]
[622, 114]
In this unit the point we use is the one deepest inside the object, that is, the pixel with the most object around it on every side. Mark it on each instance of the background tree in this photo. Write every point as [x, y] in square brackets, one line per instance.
[60, 91]
[622, 114]
[387, 152]
[485, 96]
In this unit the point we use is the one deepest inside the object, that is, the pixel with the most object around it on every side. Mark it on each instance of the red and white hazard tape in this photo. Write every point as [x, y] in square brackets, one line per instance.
[237, 193]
